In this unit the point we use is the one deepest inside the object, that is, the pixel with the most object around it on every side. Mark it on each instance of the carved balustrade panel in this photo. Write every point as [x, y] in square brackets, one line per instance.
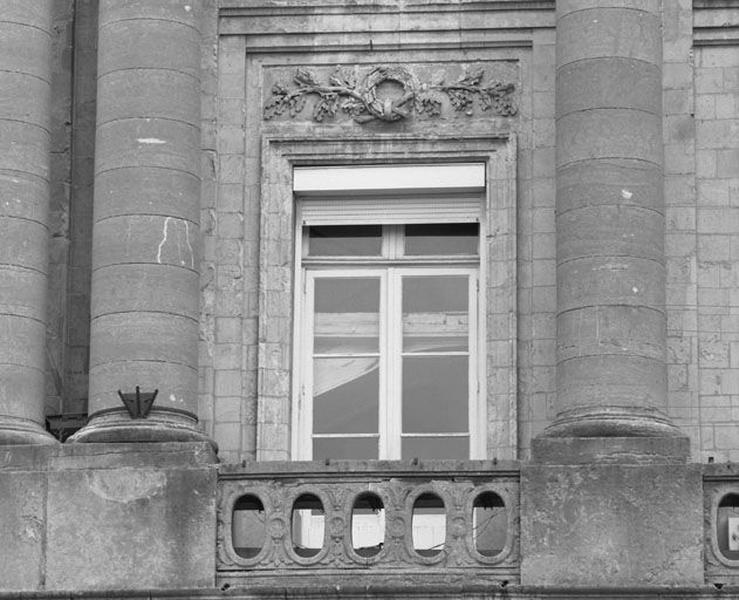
[396, 488]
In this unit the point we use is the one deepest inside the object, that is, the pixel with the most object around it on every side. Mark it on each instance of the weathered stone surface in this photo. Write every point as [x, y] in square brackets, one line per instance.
[124, 286]
[133, 93]
[618, 280]
[607, 30]
[25, 48]
[22, 496]
[612, 181]
[611, 525]
[154, 191]
[625, 83]
[146, 230]
[144, 142]
[147, 44]
[113, 516]
[155, 240]
[594, 329]
[25, 148]
[597, 231]
[176, 383]
[25, 61]
[130, 528]
[19, 292]
[609, 133]
[609, 379]
[611, 373]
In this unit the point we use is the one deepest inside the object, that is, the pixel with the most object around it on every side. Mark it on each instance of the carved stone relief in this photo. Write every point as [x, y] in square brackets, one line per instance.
[388, 93]
[338, 496]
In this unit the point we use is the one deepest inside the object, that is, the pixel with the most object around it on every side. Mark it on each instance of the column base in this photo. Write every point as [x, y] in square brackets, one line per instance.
[610, 450]
[116, 426]
[612, 422]
[15, 431]
[611, 435]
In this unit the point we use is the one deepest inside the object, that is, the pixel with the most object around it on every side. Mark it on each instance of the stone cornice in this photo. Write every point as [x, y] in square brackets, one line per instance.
[334, 26]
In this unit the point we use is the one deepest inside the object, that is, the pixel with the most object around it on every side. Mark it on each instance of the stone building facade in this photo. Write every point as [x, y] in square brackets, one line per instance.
[380, 298]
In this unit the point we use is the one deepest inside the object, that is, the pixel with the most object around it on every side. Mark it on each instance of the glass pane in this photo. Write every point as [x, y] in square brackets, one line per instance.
[347, 317]
[429, 525]
[368, 525]
[489, 524]
[308, 525]
[345, 395]
[441, 238]
[345, 240]
[435, 447]
[435, 313]
[347, 448]
[435, 395]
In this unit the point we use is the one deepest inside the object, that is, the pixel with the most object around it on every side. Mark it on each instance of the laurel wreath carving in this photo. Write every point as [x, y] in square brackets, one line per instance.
[361, 101]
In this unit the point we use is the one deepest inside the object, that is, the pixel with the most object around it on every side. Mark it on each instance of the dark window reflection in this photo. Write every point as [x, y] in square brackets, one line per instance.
[435, 396]
[344, 240]
[441, 238]
[364, 448]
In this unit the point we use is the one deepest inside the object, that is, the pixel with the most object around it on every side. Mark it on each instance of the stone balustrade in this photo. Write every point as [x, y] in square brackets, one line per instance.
[366, 523]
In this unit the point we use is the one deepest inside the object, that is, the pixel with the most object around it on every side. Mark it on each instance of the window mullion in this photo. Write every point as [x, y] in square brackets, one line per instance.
[306, 390]
[473, 383]
[392, 392]
[383, 418]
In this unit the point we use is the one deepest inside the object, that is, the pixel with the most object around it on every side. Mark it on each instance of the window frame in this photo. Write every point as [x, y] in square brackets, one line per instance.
[392, 265]
[269, 287]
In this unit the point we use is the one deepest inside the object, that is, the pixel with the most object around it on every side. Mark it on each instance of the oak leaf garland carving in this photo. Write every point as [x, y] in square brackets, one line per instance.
[361, 101]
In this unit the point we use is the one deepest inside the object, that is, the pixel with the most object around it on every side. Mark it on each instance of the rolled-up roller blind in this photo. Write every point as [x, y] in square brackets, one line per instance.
[395, 194]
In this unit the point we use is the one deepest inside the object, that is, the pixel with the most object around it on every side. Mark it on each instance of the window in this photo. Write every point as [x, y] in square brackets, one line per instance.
[388, 324]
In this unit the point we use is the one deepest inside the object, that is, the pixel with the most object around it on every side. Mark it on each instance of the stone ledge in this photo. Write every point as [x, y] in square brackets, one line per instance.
[469, 592]
[610, 450]
[368, 468]
[106, 456]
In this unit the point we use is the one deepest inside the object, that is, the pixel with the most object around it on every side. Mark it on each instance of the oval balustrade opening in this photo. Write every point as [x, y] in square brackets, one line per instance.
[429, 525]
[368, 525]
[248, 526]
[727, 526]
[308, 525]
[489, 524]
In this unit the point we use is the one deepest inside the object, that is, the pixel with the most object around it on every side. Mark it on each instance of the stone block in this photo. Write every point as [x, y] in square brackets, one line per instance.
[149, 44]
[607, 32]
[611, 525]
[21, 530]
[152, 191]
[142, 522]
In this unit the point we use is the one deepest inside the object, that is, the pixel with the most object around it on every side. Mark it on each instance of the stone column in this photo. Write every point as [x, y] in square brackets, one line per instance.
[25, 80]
[611, 335]
[145, 290]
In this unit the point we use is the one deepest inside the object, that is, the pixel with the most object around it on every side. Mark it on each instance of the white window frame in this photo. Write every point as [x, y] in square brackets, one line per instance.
[461, 198]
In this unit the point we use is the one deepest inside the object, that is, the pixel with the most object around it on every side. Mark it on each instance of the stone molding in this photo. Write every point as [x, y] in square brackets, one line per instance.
[318, 26]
